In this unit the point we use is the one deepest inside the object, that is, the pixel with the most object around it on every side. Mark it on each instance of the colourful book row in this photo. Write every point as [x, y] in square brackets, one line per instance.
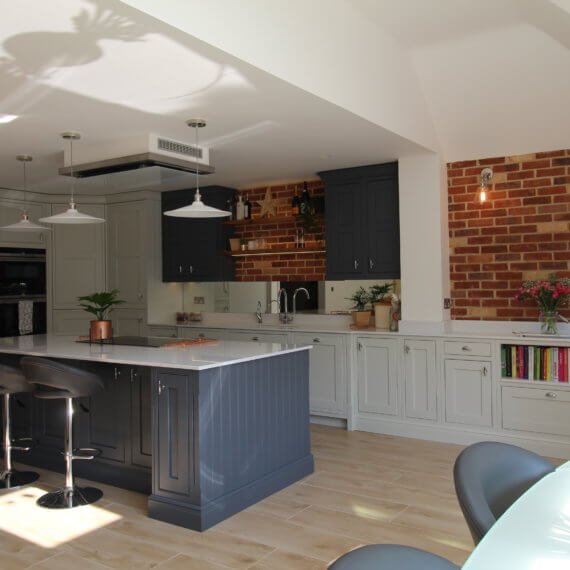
[548, 364]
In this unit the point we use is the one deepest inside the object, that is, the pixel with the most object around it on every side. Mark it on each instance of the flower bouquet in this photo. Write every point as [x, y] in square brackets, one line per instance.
[550, 296]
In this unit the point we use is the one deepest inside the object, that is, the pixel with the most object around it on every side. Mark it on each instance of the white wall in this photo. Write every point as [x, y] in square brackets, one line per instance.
[424, 249]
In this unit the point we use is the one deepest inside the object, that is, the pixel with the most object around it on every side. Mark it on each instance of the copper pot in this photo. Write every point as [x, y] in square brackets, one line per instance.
[100, 330]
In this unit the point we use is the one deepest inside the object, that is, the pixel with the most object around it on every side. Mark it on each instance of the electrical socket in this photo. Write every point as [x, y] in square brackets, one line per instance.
[447, 303]
[198, 300]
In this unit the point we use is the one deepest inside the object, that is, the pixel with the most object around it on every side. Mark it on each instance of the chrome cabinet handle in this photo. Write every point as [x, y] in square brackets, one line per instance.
[140, 296]
[406, 348]
[200, 335]
[550, 394]
[316, 340]
[180, 269]
[133, 375]
[116, 373]
[355, 263]
[466, 348]
[484, 371]
[370, 263]
[254, 338]
[160, 387]
[359, 346]
[191, 269]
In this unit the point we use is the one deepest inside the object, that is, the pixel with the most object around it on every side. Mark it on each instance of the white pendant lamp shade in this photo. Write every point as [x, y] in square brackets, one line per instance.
[197, 209]
[24, 225]
[72, 215]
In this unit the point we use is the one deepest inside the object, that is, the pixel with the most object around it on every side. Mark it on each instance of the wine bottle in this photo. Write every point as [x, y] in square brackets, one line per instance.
[295, 204]
[305, 201]
[247, 207]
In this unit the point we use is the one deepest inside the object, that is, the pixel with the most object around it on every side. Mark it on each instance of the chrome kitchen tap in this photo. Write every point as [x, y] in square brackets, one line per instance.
[295, 298]
[283, 317]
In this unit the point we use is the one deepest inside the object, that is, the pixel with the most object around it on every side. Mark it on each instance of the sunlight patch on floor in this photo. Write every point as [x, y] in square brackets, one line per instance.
[48, 528]
[371, 513]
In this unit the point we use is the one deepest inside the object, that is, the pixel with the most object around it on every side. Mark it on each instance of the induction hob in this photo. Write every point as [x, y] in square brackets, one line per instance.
[129, 341]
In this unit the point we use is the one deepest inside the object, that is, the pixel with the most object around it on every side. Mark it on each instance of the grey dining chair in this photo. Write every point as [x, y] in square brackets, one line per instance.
[489, 477]
[391, 557]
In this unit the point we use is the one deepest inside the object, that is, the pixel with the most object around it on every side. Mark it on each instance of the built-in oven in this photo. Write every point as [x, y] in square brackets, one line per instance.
[22, 291]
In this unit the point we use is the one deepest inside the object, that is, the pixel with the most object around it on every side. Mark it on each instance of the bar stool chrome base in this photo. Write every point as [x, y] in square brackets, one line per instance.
[16, 479]
[70, 497]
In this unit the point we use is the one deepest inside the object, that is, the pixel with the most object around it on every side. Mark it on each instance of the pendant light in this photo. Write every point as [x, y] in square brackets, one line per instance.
[197, 209]
[72, 215]
[24, 225]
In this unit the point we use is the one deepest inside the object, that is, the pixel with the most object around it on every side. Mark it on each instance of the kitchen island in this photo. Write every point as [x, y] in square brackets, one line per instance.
[207, 430]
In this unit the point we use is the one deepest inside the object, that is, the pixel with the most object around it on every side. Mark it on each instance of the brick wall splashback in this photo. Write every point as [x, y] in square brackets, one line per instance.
[521, 232]
[282, 267]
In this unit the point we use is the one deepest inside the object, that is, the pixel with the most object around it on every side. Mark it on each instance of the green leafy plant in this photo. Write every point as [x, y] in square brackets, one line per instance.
[378, 292]
[100, 304]
[360, 299]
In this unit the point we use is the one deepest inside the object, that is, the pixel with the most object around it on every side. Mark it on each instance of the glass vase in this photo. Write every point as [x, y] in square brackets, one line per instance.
[549, 322]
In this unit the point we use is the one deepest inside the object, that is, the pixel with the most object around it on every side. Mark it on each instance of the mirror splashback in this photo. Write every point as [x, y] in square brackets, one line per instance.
[242, 297]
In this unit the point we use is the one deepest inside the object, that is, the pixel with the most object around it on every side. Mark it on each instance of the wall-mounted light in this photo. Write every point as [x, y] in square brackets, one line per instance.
[486, 177]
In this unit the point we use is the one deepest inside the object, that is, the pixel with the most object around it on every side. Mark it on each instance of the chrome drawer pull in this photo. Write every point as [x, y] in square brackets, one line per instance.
[254, 338]
[316, 340]
[550, 394]
[466, 348]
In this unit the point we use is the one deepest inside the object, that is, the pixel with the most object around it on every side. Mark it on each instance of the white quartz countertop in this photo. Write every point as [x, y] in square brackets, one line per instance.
[192, 357]
[508, 332]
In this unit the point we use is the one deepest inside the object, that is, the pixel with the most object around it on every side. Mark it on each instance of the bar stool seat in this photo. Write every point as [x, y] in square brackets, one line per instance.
[57, 380]
[13, 381]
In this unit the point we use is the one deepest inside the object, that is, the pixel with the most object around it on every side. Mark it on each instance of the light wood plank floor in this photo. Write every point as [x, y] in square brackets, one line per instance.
[366, 489]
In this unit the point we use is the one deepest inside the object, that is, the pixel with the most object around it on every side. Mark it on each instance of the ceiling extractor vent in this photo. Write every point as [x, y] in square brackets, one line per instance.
[137, 153]
[180, 148]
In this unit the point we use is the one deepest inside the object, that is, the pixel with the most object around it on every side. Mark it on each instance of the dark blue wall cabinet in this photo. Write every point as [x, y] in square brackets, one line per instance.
[362, 222]
[193, 249]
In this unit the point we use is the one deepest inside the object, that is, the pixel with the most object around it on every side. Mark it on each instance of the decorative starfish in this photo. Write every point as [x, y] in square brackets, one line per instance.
[267, 205]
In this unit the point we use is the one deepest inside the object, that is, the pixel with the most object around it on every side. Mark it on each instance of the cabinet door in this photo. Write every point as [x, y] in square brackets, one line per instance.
[172, 458]
[77, 259]
[420, 383]
[468, 392]
[128, 322]
[193, 250]
[141, 416]
[105, 414]
[382, 228]
[327, 372]
[126, 230]
[344, 219]
[191, 332]
[377, 375]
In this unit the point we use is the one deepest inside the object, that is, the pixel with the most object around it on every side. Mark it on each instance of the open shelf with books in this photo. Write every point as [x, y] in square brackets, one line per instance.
[535, 363]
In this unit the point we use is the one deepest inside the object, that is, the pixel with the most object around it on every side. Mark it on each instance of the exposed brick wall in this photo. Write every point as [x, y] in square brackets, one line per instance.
[521, 232]
[283, 267]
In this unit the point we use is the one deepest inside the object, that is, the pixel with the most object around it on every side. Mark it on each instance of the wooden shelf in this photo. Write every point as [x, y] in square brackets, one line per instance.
[275, 220]
[281, 251]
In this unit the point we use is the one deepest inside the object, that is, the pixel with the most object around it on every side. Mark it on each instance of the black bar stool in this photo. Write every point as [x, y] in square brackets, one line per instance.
[13, 381]
[55, 380]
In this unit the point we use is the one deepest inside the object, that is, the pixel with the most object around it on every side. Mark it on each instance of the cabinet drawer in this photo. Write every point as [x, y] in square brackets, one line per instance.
[536, 410]
[158, 330]
[467, 348]
[255, 336]
[192, 333]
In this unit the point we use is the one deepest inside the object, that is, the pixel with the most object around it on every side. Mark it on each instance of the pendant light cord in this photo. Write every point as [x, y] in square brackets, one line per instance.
[197, 195]
[72, 202]
[25, 192]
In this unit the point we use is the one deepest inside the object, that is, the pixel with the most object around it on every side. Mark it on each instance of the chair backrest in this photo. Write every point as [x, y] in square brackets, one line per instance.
[489, 477]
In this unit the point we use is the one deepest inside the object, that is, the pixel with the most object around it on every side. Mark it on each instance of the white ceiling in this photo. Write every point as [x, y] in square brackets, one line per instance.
[495, 75]
[108, 71]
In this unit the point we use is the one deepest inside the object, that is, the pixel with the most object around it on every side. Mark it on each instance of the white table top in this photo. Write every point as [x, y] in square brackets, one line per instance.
[197, 357]
[534, 533]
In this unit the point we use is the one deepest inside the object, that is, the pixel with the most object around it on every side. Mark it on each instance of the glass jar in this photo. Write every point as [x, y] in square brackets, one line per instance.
[548, 322]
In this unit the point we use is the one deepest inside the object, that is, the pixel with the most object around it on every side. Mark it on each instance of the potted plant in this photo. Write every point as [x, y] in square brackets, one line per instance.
[243, 244]
[380, 298]
[360, 314]
[100, 304]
